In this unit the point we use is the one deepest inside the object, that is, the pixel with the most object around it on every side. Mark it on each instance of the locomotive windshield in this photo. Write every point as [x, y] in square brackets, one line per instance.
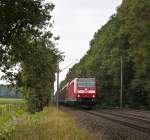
[85, 83]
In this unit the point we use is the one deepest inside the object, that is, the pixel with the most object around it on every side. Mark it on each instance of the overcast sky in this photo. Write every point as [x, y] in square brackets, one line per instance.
[76, 21]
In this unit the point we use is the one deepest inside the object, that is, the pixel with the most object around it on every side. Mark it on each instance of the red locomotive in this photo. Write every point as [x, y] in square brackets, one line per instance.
[79, 91]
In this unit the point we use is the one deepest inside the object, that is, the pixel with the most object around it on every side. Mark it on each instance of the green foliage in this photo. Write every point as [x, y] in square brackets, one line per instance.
[26, 42]
[22, 22]
[126, 34]
[37, 75]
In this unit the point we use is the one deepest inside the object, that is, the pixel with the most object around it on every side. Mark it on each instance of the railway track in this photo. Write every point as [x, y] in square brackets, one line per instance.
[130, 116]
[138, 114]
[136, 122]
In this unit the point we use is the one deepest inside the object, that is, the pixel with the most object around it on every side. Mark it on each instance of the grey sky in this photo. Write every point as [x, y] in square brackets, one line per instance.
[76, 21]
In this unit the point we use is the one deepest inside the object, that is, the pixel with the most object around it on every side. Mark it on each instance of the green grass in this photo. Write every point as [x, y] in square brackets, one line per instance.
[50, 124]
[4, 119]
[11, 101]
[10, 108]
[6, 115]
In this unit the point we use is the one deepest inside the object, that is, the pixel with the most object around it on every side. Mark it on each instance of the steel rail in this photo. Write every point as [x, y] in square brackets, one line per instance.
[125, 123]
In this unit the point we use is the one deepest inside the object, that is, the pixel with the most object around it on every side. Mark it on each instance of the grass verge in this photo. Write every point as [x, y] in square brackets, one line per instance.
[11, 108]
[50, 124]
[11, 101]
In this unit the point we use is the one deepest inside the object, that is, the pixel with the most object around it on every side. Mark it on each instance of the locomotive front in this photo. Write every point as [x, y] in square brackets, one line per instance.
[86, 90]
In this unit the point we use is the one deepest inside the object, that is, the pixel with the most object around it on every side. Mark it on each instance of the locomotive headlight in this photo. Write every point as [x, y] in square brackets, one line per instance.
[93, 96]
[78, 95]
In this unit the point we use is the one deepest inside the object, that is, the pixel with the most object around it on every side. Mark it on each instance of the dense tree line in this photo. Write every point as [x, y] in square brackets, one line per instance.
[7, 91]
[26, 45]
[126, 35]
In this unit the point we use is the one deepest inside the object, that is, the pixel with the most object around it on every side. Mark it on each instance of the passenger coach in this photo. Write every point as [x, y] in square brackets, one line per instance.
[79, 91]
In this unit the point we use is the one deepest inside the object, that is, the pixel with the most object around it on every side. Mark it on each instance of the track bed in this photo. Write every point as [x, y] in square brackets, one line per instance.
[113, 124]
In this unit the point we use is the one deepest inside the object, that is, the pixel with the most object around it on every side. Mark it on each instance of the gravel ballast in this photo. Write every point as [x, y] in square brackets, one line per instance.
[104, 129]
